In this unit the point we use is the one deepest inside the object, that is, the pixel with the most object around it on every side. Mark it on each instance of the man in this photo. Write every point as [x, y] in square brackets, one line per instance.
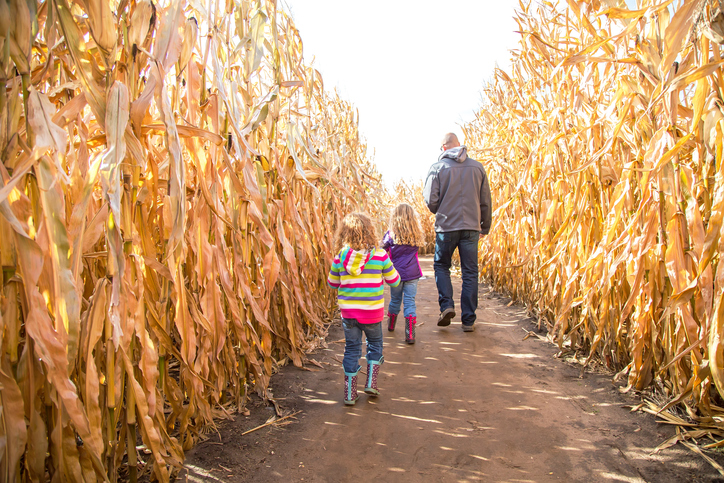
[457, 192]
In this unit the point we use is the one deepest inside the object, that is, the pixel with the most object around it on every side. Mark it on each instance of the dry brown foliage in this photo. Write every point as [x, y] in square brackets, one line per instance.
[603, 144]
[172, 175]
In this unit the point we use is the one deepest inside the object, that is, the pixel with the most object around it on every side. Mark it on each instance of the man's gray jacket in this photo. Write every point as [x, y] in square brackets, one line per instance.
[458, 193]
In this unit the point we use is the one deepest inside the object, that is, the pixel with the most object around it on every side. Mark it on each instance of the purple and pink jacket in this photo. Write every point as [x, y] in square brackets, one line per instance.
[358, 277]
[404, 258]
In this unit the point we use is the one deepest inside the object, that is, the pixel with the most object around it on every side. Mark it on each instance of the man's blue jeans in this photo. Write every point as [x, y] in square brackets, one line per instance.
[466, 242]
[405, 292]
[353, 343]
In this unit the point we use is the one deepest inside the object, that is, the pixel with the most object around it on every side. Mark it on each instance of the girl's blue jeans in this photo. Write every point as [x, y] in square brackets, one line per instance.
[405, 292]
[353, 343]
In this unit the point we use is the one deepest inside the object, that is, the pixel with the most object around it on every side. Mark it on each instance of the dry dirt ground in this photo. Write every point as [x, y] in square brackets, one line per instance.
[454, 407]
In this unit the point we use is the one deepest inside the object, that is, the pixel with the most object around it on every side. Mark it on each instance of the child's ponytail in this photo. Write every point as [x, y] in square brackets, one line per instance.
[405, 226]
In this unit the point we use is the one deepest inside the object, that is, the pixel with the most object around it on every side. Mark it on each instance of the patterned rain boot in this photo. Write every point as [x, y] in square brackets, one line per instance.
[373, 370]
[391, 319]
[410, 329]
[350, 388]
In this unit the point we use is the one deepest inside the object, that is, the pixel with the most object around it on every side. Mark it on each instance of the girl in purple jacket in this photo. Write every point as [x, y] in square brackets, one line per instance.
[402, 242]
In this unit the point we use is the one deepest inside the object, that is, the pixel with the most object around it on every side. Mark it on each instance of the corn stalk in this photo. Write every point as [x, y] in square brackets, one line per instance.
[603, 143]
[171, 175]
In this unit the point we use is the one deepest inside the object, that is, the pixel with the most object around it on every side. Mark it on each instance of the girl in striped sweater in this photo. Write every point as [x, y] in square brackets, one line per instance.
[357, 274]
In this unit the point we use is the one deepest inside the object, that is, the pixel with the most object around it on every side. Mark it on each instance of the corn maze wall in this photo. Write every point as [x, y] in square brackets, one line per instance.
[171, 175]
[603, 142]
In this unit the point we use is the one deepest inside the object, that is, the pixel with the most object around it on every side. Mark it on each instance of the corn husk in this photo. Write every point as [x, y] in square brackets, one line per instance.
[603, 144]
[171, 181]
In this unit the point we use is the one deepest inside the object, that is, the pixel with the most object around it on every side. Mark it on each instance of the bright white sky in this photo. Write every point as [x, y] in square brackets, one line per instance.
[413, 68]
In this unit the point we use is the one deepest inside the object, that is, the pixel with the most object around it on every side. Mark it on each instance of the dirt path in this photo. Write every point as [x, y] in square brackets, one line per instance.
[455, 407]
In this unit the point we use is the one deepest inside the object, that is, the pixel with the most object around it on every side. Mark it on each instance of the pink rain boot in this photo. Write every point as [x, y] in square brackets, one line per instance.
[391, 319]
[410, 329]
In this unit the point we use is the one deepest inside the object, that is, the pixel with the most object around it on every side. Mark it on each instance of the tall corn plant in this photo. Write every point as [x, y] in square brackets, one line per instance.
[603, 143]
[171, 174]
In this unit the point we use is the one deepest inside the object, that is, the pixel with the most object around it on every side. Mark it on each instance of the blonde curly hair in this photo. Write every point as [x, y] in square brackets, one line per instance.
[405, 226]
[356, 231]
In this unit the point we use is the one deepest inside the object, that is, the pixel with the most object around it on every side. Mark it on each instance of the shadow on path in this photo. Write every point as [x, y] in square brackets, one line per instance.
[454, 407]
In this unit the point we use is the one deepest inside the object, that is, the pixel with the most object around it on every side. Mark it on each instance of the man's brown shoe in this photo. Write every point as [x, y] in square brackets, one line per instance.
[445, 317]
[468, 328]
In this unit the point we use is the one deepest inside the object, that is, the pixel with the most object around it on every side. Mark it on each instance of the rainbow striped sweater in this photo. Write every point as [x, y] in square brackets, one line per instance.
[358, 277]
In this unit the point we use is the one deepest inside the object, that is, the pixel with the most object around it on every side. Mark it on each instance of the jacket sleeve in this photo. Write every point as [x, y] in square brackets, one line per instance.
[334, 280]
[486, 206]
[389, 272]
[431, 191]
[387, 241]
